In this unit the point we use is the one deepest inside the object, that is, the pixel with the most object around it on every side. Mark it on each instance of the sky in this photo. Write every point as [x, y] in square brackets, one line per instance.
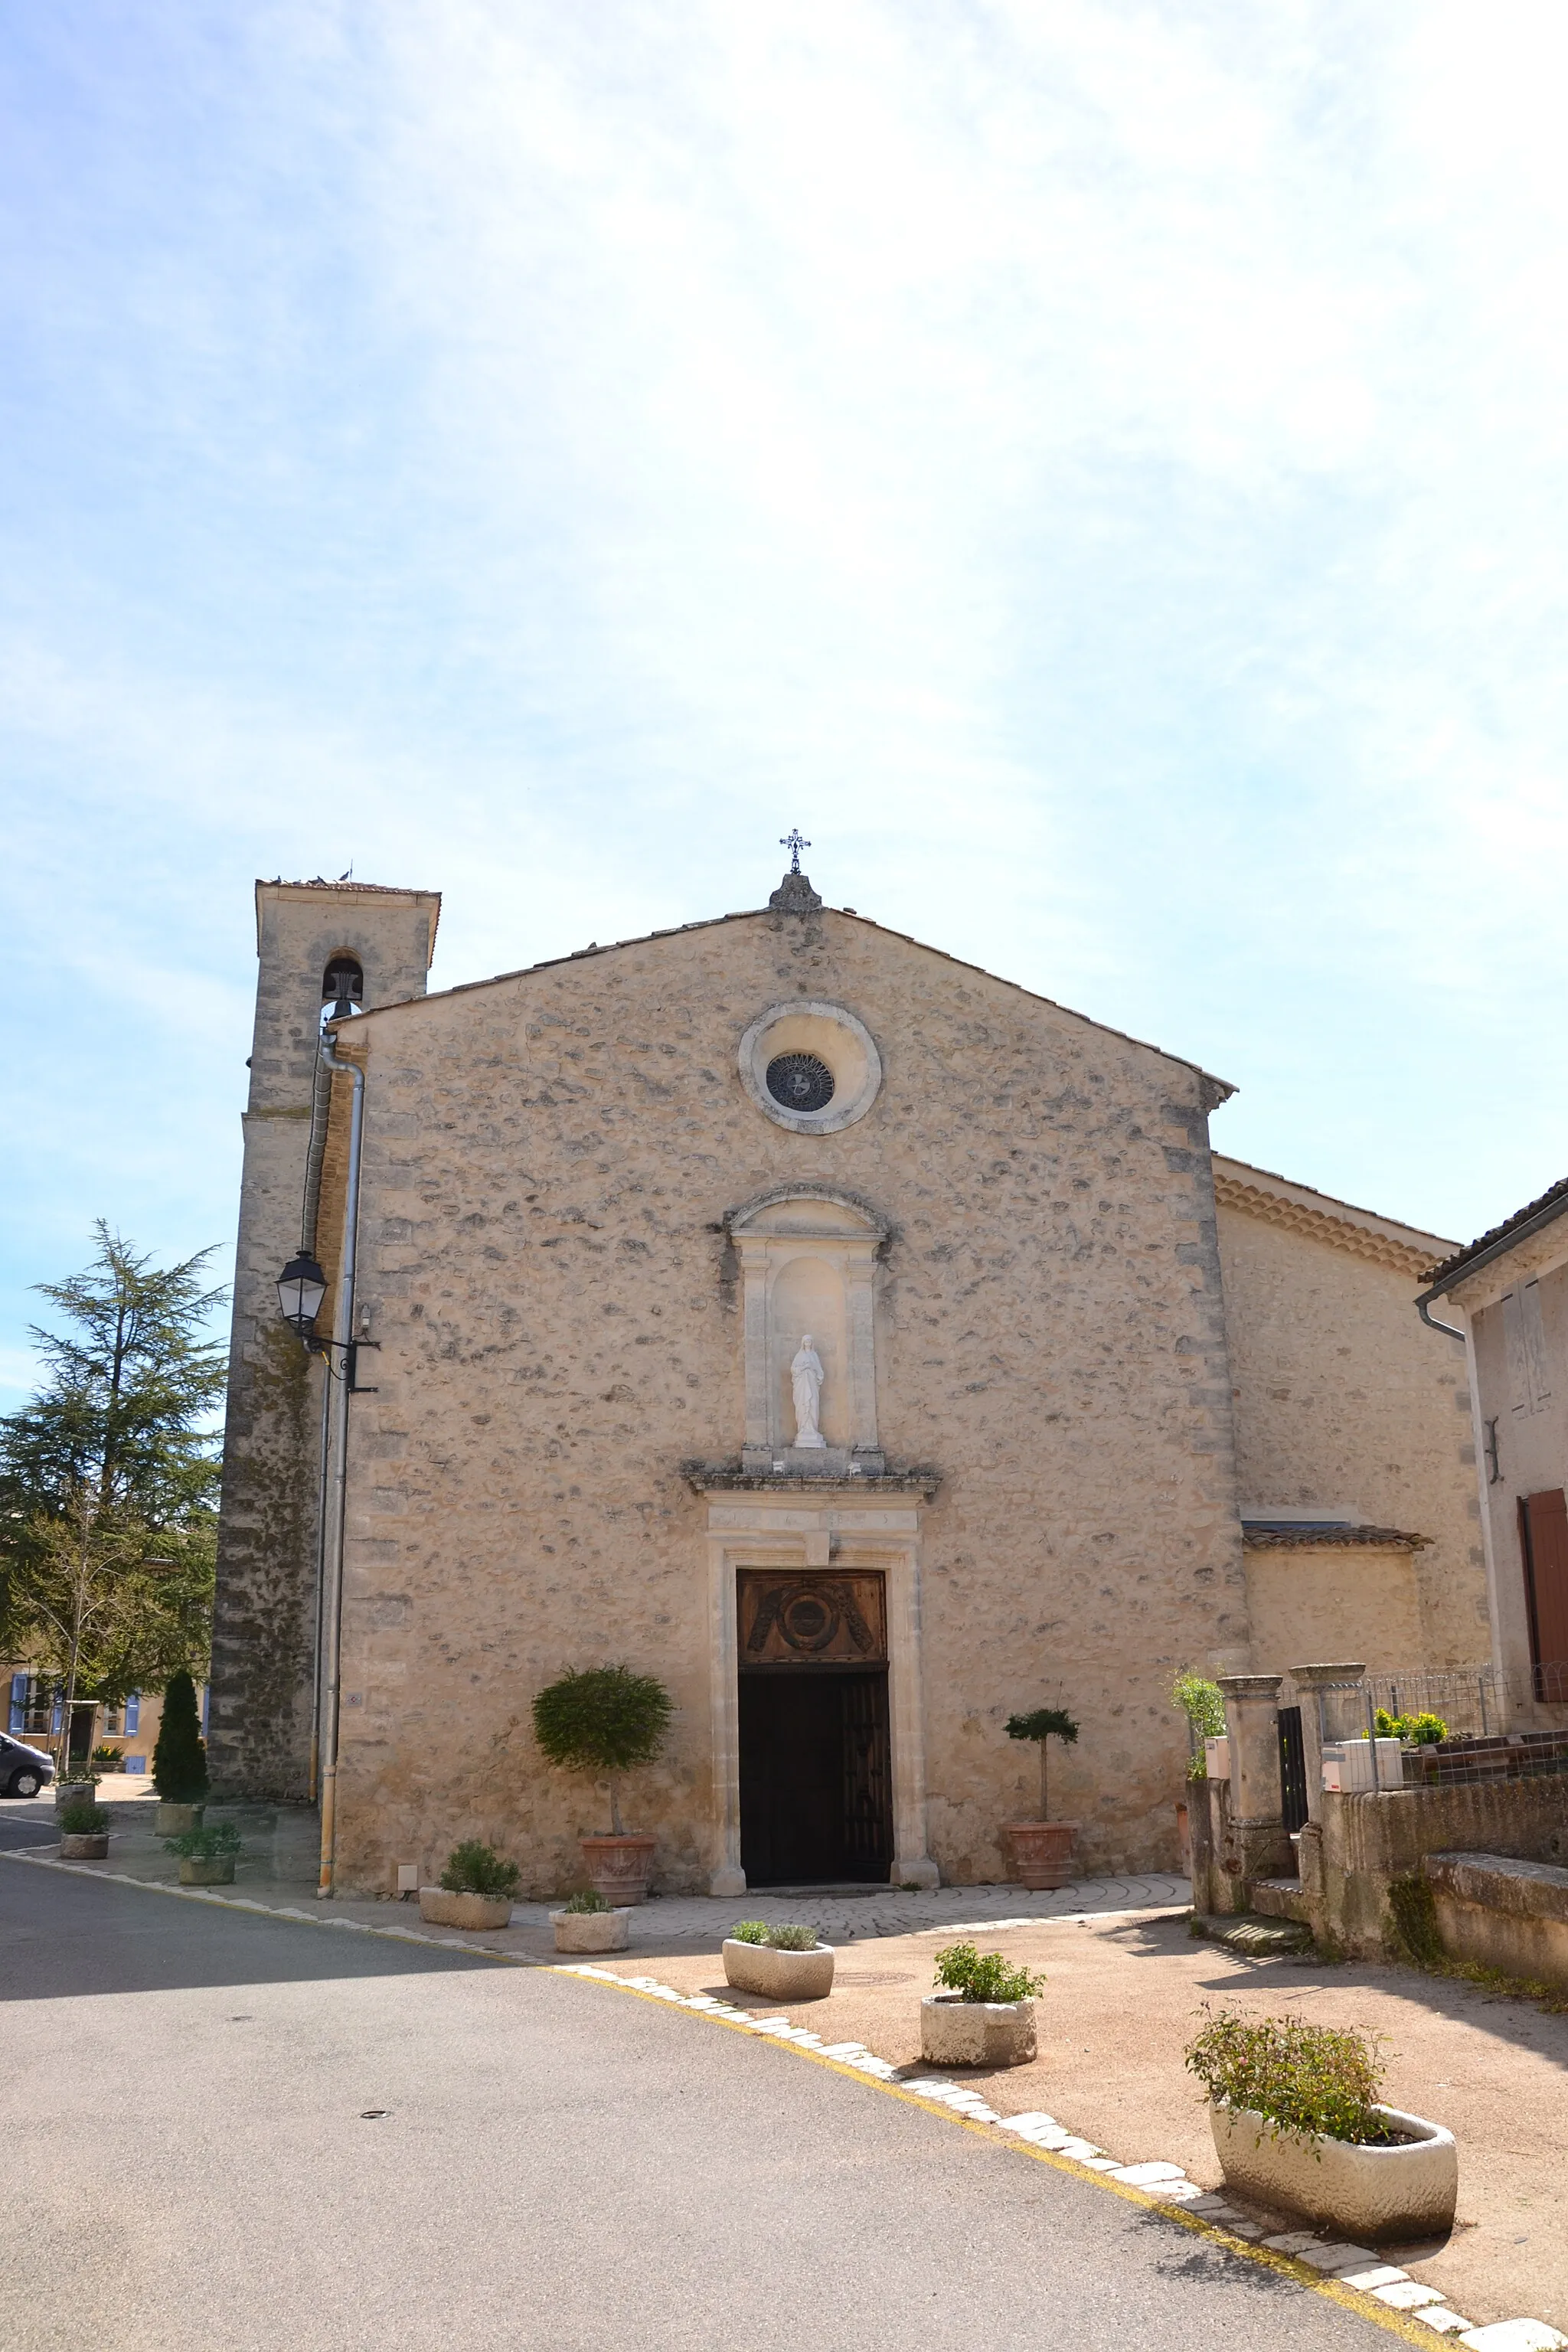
[1100, 470]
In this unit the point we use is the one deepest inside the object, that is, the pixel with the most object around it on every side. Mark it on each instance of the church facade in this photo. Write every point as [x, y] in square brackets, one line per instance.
[830, 1327]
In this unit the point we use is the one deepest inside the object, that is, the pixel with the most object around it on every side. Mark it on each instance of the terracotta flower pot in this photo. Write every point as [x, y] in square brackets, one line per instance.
[592, 1931]
[619, 1868]
[1399, 2193]
[173, 1821]
[1041, 1853]
[779, 1976]
[958, 2033]
[440, 1910]
[84, 1845]
[208, 1870]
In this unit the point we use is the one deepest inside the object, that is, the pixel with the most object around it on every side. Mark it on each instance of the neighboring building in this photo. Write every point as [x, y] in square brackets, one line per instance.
[37, 1714]
[1355, 1460]
[1508, 1291]
[603, 1202]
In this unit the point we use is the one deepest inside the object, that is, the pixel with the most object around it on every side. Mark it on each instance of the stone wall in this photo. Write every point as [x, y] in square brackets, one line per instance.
[1353, 1600]
[1344, 1397]
[1365, 1839]
[263, 1636]
[548, 1162]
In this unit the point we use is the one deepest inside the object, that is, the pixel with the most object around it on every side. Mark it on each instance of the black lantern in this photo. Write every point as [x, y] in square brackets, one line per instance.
[301, 1286]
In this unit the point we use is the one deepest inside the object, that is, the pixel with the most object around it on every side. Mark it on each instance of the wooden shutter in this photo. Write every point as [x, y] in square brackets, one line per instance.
[134, 1712]
[1543, 1540]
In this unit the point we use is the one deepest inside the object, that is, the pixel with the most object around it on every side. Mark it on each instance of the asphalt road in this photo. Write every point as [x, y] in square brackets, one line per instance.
[223, 2131]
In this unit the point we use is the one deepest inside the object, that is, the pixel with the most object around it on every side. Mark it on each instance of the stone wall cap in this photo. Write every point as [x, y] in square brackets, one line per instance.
[730, 1478]
[1274, 1534]
[1536, 1890]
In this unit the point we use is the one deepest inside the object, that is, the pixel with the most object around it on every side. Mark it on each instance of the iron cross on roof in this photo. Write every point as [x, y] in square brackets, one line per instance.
[794, 842]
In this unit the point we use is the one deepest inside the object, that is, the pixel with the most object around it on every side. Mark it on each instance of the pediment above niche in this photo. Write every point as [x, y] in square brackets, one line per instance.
[795, 1210]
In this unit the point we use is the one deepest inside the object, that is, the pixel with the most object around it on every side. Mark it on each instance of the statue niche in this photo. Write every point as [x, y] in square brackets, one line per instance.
[808, 1259]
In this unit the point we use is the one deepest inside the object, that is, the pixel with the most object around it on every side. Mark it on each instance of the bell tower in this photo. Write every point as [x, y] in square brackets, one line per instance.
[320, 944]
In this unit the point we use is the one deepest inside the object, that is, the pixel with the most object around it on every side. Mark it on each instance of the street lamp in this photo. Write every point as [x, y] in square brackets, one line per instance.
[301, 1286]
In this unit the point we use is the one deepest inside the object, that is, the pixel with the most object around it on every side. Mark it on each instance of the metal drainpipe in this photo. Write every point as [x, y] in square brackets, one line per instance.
[332, 1580]
[1432, 1323]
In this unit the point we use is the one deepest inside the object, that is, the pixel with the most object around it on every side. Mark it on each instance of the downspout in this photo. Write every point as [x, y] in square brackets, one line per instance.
[337, 1495]
[1425, 1311]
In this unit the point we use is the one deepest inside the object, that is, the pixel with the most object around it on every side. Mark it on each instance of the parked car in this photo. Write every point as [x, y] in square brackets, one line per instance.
[24, 1770]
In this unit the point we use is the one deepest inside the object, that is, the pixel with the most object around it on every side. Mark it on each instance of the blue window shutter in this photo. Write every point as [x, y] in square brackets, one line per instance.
[132, 1711]
[18, 1702]
[57, 1715]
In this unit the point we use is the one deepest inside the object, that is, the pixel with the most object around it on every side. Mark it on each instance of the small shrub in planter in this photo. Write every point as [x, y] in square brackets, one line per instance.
[179, 1758]
[1296, 2122]
[1415, 1730]
[588, 1924]
[1202, 1704]
[476, 1890]
[1042, 1848]
[107, 1759]
[207, 1856]
[984, 2014]
[782, 1963]
[606, 1720]
[84, 1834]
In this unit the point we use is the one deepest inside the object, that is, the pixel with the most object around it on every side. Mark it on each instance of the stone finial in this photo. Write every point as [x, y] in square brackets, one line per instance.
[795, 896]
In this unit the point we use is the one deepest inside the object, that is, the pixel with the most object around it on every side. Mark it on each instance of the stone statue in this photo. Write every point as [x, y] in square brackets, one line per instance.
[806, 1379]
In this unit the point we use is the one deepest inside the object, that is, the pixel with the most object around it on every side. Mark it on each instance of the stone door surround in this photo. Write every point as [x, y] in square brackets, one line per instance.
[855, 1532]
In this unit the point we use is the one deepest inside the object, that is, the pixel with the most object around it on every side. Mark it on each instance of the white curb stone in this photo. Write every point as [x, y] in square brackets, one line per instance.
[1145, 2176]
[1381, 2274]
[1408, 2295]
[1292, 2241]
[1515, 2335]
[1446, 2322]
[1338, 2258]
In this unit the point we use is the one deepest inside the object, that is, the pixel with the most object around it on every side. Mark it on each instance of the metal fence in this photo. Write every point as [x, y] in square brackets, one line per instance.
[1479, 1709]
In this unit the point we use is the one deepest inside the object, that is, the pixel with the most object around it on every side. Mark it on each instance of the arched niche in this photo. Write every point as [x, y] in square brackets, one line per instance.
[808, 1262]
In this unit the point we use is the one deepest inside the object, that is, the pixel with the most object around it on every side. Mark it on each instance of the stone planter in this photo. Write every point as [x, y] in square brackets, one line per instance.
[74, 1792]
[592, 1931]
[85, 1846]
[440, 1909]
[173, 1821]
[207, 1870]
[958, 2033]
[1041, 1853]
[779, 1976]
[1399, 2193]
[618, 1868]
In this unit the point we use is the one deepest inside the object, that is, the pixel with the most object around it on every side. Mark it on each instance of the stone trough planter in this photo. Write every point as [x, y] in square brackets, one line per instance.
[592, 1931]
[74, 1793]
[779, 1976]
[173, 1821]
[1398, 2193]
[207, 1870]
[440, 1909]
[84, 1845]
[958, 2033]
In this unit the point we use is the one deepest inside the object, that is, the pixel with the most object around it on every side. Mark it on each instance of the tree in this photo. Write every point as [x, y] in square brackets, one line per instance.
[109, 1478]
[180, 1756]
[605, 1719]
[1046, 1723]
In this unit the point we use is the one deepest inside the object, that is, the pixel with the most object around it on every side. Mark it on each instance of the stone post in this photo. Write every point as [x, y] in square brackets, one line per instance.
[1258, 1846]
[1310, 1681]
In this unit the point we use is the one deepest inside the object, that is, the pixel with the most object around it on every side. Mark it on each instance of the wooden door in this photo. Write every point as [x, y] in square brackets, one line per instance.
[815, 1778]
[1543, 1541]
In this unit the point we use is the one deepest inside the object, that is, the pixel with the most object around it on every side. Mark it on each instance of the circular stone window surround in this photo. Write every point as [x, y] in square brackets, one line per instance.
[835, 1036]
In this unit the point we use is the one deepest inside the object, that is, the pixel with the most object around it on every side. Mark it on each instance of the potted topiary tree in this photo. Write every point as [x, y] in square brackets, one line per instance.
[476, 1889]
[1042, 1849]
[206, 1855]
[606, 1720]
[782, 1963]
[1297, 2123]
[984, 2013]
[179, 1758]
[589, 1924]
[84, 1834]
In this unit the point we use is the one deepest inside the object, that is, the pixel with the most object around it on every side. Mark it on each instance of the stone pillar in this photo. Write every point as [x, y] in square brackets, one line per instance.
[1258, 1845]
[1310, 1681]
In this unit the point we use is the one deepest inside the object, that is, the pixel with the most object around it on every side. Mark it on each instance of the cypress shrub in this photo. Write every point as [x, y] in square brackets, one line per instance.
[180, 1757]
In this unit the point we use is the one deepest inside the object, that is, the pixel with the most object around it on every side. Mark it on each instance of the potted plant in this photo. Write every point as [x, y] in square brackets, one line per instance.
[84, 1834]
[588, 1924]
[206, 1854]
[1042, 1849]
[1202, 1704]
[109, 1760]
[179, 1759]
[1297, 2123]
[784, 1963]
[984, 2013]
[606, 1720]
[79, 1789]
[476, 1889]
